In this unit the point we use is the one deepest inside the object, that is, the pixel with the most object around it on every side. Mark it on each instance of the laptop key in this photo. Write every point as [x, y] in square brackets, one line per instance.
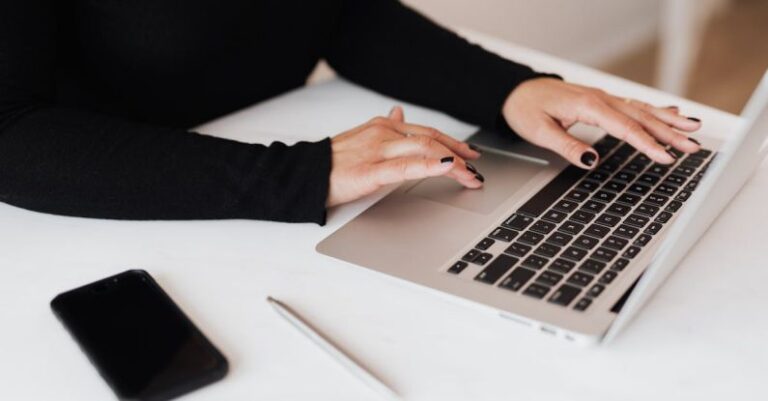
[536, 290]
[597, 230]
[592, 266]
[637, 220]
[702, 153]
[562, 266]
[583, 304]
[482, 258]
[586, 242]
[658, 169]
[626, 231]
[618, 209]
[517, 279]
[588, 185]
[552, 192]
[598, 176]
[554, 216]
[607, 277]
[663, 217]
[625, 176]
[648, 179]
[635, 167]
[620, 264]
[666, 189]
[604, 254]
[615, 243]
[582, 216]
[559, 239]
[692, 162]
[683, 196]
[517, 249]
[657, 199]
[593, 206]
[457, 267]
[614, 186]
[503, 234]
[639, 189]
[642, 159]
[471, 255]
[581, 279]
[547, 250]
[631, 252]
[571, 227]
[604, 196]
[642, 240]
[549, 278]
[653, 228]
[535, 262]
[684, 170]
[484, 244]
[629, 199]
[518, 222]
[675, 179]
[531, 238]
[577, 195]
[608, 220]
[574, 254]
[564, 295]
[596, 290]
[496, 269]
[647, 210]
[566, 206]
[543, 227]
[673, 206]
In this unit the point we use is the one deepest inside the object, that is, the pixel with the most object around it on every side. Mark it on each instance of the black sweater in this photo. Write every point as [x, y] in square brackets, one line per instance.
[96, 98]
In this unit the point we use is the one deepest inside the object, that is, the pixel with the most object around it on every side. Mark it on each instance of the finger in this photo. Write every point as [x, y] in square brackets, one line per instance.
[462, 149]
[423, 146]
[397, 114]
[395, 171]
[552, 136]
[659, 129]
[625, 128]
[669, 115]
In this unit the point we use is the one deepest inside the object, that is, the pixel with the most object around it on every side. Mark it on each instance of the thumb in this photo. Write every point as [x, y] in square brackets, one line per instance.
[553, 137]
[397, 114]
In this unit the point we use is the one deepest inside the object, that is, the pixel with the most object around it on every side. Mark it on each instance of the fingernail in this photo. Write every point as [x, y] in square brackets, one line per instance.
[480, 177]
[669, 152]
[694, 119]
[588, 158]
[694, 141]
[392, 110]
[471, 168]
[672, 107]
[447, 159]
[474, 147]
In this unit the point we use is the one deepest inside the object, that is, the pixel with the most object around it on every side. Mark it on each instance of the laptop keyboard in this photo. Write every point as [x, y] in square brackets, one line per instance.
[574, 237]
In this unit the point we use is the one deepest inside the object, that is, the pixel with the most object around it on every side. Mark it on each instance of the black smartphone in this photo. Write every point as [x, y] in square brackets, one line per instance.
[141, 343]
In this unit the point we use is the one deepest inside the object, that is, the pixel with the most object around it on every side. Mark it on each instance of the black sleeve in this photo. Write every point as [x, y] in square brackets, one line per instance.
[75, 162]
[393, 49]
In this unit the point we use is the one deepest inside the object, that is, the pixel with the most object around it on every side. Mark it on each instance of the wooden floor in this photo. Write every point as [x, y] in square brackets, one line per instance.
[731, 62]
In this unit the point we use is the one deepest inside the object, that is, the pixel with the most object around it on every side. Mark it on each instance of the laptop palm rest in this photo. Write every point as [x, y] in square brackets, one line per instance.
[504, 175]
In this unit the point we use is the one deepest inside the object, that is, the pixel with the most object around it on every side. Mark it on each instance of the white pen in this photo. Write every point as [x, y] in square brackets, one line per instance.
[326, 345]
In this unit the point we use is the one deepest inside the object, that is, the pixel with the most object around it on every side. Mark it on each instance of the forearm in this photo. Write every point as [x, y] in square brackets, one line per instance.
[392, 49]
[78, 163]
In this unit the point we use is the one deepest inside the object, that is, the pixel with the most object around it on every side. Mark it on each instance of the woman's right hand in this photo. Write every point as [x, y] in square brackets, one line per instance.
[387, 150]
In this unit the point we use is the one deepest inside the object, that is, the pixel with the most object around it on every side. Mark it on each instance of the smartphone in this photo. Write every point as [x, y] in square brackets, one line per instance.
[138, 339]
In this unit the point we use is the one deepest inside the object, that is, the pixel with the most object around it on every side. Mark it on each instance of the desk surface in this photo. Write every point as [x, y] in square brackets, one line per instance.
[701, 336]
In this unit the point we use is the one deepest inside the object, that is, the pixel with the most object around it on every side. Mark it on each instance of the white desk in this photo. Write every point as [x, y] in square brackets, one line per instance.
[701, 337]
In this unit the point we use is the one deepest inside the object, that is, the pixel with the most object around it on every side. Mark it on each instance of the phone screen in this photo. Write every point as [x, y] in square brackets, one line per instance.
[138, 339]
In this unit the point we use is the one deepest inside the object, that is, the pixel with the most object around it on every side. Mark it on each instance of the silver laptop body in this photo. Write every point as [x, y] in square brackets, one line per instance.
[584, 288]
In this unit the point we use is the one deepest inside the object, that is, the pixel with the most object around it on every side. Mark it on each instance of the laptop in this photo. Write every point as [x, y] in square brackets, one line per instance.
[571, 253]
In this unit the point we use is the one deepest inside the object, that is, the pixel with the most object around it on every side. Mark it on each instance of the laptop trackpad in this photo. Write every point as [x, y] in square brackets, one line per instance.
[504, 176]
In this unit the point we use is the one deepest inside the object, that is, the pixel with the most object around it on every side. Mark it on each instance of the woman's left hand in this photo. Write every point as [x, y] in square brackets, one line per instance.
[541, 110]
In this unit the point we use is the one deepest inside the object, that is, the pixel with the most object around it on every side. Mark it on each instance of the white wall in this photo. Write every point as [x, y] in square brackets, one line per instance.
[587, 31]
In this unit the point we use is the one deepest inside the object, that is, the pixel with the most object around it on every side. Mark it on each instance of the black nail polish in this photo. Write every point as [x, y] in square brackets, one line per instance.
[474, 147]
[471, 168]
[669, 152]
[448, 159]
[480, 177]
[672, 107]
[694, 141]
[588, 158]
[694, 119]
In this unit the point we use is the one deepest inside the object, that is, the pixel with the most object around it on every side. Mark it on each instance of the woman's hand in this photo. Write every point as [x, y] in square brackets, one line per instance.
[542, 109]
[387, 150]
